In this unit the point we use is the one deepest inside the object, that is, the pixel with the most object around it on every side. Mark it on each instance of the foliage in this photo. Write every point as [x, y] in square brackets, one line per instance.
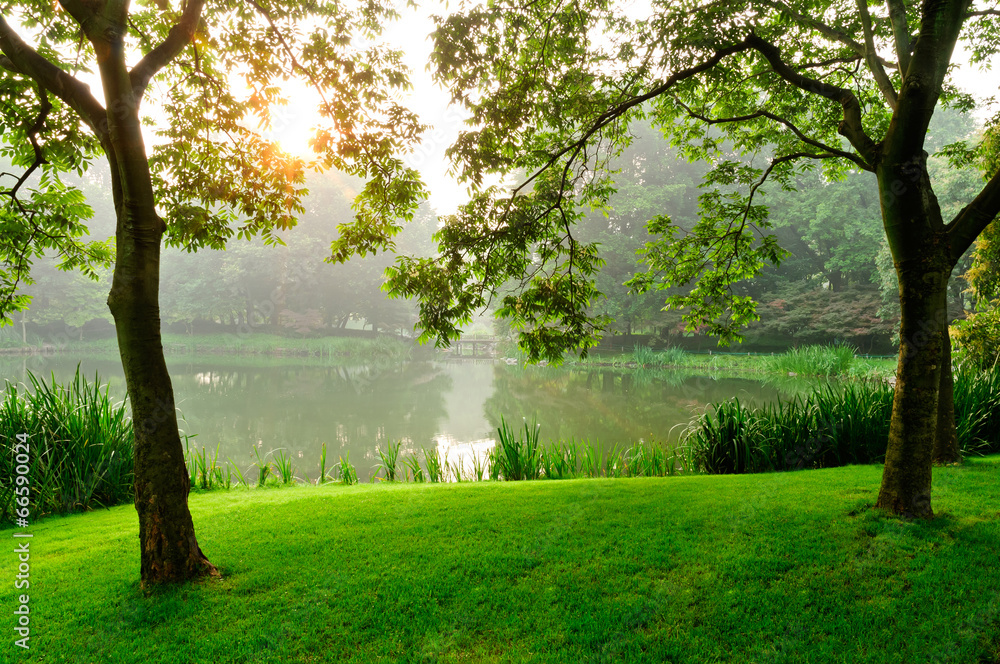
[390, 460]
[516, 458]
[832, 426]
[763, 93]
[827, 361]
[80, 445]
[978, 336]
[206, 121]
[346, 472]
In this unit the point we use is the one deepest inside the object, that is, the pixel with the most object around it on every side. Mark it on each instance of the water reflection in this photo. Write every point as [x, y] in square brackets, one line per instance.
[236, 403]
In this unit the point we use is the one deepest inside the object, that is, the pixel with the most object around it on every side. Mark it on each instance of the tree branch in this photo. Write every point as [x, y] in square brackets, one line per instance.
[612, 114]
[28, 62]
[827, 31]
[900, 33]
[851, 127]
[974, 217]
[940, 25]
[871, 57]
[829, 151]
[179, 36]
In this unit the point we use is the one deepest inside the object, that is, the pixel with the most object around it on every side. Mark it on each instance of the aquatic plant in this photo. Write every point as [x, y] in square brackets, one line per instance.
[390, 460]
[347, 472]
[80, 445]
[516, 458]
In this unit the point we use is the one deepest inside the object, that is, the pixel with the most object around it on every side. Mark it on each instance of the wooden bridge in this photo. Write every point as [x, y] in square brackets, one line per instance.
[475, 348]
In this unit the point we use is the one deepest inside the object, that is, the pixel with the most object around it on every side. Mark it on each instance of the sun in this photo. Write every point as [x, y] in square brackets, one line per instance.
[294, 140]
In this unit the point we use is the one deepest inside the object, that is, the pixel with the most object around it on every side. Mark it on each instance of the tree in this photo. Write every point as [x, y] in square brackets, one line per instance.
[210, 175]
[552, 88]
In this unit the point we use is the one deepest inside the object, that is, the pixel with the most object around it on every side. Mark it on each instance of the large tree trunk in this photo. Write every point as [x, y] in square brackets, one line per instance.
[169, 550]
[913, 431]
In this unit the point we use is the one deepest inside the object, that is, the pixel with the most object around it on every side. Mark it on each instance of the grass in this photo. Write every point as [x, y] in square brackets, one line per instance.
[828, 360]
[832, 426]
[79, 443]
[790, 567]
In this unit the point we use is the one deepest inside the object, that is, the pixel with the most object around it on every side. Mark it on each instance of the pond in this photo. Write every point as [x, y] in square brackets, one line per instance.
[234, 404]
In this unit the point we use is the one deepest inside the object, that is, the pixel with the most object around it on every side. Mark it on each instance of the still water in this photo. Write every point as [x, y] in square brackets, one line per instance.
[237, 403]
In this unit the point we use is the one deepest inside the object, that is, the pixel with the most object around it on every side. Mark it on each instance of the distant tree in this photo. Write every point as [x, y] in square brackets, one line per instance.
[552, 89]
[210, 174]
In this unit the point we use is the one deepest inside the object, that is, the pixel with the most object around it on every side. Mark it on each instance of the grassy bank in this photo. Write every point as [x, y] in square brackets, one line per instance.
[381, 347]
[789, 567]
[826, 361]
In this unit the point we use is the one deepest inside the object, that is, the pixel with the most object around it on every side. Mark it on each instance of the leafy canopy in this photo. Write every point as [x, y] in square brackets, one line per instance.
[761, 90]
[208, 79]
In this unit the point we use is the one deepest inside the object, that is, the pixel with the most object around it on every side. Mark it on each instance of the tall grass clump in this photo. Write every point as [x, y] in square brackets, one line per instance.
[516, 458]
[977, 410]
[324, 477]
[829, 360]
[390, 460]
[80, 445]
[413, 469]
[437, 464]
[645, 356]
[832, 426]
[283, 467]
[348, 474]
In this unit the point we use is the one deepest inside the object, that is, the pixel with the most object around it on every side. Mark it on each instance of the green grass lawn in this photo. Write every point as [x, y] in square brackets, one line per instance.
[788, 567]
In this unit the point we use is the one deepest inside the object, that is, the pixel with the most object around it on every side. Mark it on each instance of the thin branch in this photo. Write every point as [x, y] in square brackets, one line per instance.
[612, 114]
[900, 33]
[852, 126]
[180, 35]
[32, 134]
[983, 12]
[871, 57]
[26, 61]
[828, 150]
[291, 54]
[827, 31]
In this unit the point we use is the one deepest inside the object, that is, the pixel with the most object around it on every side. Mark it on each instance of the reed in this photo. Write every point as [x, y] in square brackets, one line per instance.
[241, 479]
[413, 469]
[457, 470]
[479, 466]
[592, 460]
[348, 473]
[263, 466]
[516, 458]
[390, 460]
[323, 477]
[81, 445]
[831, 426]
[826, 360]
[436, 463]
[283, 468]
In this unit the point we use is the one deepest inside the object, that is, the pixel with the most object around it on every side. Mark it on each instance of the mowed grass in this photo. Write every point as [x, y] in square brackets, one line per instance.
[778, 567]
